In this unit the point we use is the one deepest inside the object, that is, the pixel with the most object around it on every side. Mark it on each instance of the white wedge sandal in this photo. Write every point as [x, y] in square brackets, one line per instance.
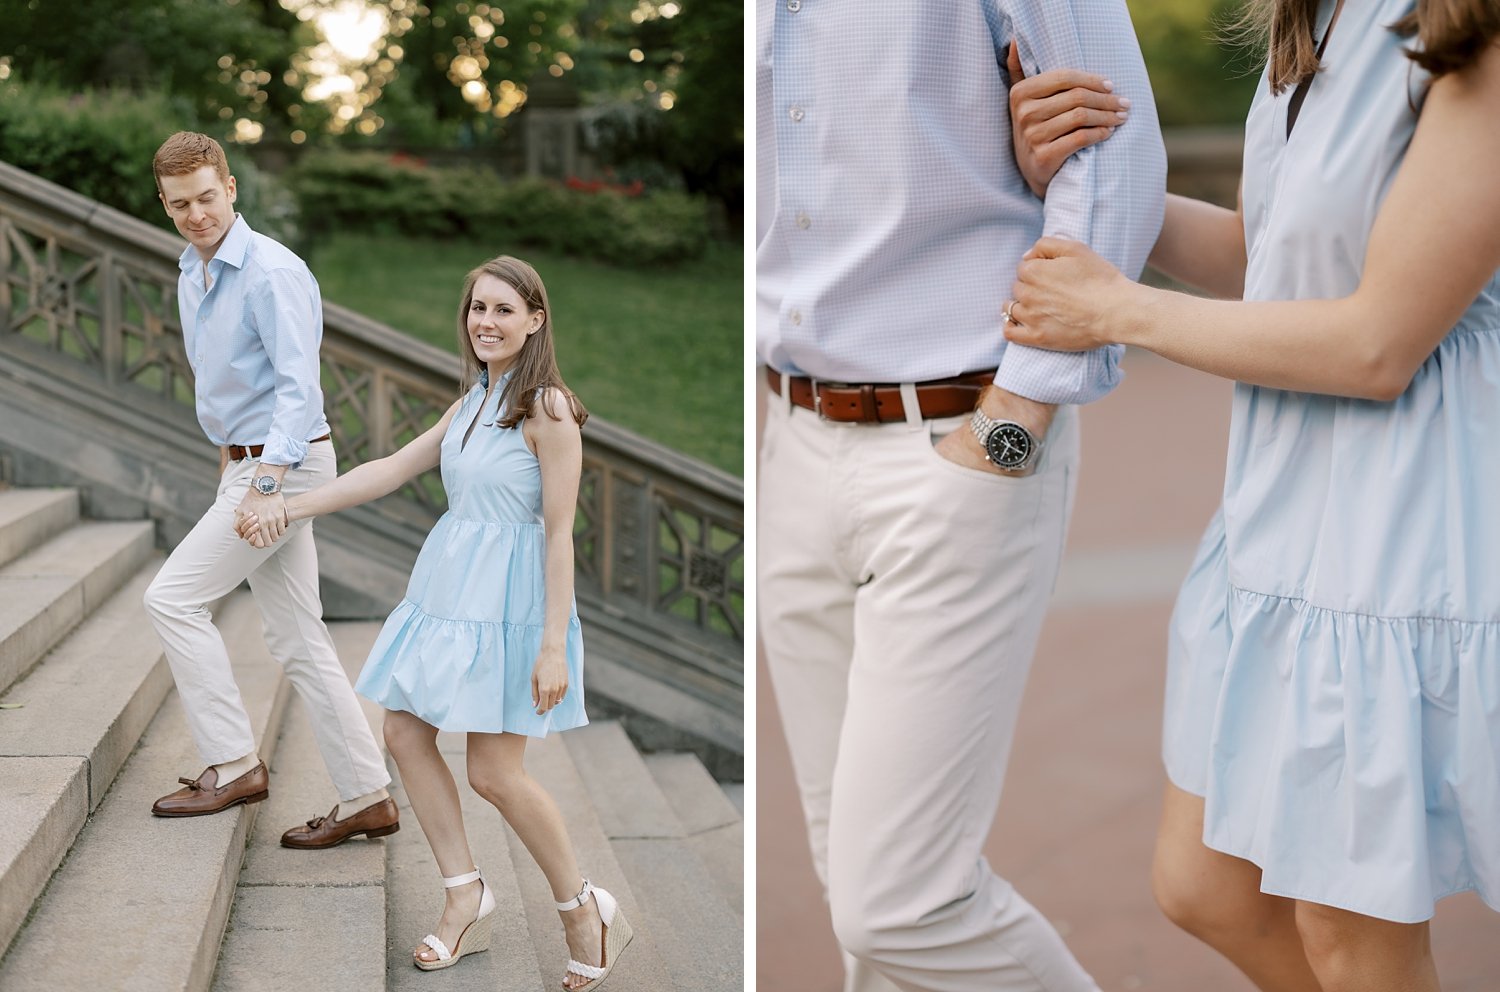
[475, 936]
[615, 935]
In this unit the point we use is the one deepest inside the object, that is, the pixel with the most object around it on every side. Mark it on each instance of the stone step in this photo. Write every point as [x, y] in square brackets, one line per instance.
[307, 919]
[713, 827]
[47, 591]
[551, 763]
[30, 516]
[149, 897]
[701, 941]
[72, 722]
[735, 793]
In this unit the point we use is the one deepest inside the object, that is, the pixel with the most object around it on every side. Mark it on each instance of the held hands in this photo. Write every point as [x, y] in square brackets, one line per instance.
[261, 520]
[1055, 114]
[549, 678]
[1066, 298]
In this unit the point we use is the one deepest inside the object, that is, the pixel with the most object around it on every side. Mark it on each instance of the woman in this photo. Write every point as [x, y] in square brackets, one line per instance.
[1332, 731]
[487, 639]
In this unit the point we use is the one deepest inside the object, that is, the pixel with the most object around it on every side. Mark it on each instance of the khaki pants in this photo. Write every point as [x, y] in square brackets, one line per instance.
[210, 562]
[900, 601]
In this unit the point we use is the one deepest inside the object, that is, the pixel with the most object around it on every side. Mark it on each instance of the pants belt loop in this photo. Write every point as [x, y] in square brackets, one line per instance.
[910, 406]
[786, 391]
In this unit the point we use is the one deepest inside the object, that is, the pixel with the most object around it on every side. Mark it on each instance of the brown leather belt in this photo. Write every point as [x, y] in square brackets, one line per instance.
[880, 403]
[239, 451]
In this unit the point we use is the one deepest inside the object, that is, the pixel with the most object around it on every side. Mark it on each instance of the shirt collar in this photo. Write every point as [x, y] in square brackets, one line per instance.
[231, 250]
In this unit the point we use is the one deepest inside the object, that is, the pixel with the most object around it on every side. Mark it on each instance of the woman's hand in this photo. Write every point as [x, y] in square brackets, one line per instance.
[1066, 298]
[549, 678]
[1054, 114]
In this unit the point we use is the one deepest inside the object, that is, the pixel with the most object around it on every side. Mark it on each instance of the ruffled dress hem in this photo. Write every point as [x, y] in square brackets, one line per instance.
[1343, 753]
[453, 674]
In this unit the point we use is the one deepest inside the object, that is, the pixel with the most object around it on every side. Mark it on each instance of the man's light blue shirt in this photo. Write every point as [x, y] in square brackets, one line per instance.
[891, 213]
[252, 338]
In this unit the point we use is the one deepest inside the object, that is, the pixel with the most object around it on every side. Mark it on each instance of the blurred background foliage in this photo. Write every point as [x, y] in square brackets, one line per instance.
[1198, 76]
[653, 77]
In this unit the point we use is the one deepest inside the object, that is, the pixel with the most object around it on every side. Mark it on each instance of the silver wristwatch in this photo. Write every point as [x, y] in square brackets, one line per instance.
[267, 485]
[1007, 445]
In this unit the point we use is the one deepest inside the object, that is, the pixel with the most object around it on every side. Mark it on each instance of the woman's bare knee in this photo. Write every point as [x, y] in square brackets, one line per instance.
[405, 733]
[1211, 895]
[1349, 951]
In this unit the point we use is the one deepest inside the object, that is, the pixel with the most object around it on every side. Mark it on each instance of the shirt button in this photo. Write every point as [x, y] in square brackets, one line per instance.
[795, 317]
[796, 115]
[794, 5]
[803, 221]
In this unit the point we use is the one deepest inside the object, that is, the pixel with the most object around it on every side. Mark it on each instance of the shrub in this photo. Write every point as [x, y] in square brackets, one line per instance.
[365, 191]
[100, 144]
[96, 144]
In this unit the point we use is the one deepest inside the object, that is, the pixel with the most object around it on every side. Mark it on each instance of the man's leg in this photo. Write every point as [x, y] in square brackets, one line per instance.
[286, 590]
[806, 609]
[208, 563]
[959, 567]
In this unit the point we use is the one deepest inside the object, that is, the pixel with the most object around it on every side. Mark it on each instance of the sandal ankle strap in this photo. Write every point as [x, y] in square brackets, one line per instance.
[454, 881]
[578, 900]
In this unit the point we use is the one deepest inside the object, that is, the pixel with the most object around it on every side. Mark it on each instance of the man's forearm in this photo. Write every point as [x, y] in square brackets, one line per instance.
[277, 472]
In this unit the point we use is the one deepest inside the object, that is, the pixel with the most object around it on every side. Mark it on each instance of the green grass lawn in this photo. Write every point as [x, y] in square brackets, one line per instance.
[657, 351]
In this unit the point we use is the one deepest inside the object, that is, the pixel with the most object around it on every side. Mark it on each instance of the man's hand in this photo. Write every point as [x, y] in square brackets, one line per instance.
[962, 448]
[261, 520]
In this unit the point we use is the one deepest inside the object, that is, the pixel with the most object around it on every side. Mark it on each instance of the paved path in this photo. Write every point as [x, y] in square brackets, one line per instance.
[1078, 818]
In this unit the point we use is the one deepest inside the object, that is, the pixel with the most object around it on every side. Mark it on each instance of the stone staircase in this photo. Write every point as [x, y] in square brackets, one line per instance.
[96, 894]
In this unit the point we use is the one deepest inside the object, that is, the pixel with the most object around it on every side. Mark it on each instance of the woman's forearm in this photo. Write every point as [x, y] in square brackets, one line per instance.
[360, 484]
[374, 479]
[1203, 246]
[559, 587]
[1315, 346]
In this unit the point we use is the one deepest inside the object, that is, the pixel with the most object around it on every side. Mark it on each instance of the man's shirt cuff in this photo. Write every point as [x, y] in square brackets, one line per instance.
[282, 449]
[1058, 376]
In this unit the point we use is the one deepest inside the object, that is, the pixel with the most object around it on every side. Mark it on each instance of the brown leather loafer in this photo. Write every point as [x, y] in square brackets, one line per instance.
[204, 795]
[324, 831]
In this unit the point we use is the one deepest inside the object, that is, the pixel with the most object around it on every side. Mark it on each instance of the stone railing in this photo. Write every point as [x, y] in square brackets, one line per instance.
[659, 536]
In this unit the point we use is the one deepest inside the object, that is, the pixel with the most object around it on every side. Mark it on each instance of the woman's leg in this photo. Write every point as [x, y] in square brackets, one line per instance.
[1350, 952]
[1217, 898]
[497, 773]
[434, 798]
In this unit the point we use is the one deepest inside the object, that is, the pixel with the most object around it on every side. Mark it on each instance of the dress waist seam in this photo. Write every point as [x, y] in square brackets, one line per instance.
[1298, 601]
[455, 518]
[572, 618]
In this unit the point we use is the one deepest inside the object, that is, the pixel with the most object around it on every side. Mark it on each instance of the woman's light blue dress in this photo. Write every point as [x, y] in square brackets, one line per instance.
[1334, 673]
[458, 651]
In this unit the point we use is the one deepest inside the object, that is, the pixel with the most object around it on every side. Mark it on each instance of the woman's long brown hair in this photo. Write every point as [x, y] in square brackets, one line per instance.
[536, 366]
[1450, 34]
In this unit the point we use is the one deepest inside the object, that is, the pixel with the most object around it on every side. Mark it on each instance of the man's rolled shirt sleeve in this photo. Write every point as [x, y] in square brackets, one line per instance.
[288, 324]
[1110, 196]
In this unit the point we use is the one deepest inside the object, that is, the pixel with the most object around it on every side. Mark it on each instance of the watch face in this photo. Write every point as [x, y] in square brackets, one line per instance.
[1009, 446]
[265, 485]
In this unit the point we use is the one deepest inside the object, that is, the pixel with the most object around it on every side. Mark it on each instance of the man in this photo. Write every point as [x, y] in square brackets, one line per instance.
[912, 514]
[252, 321]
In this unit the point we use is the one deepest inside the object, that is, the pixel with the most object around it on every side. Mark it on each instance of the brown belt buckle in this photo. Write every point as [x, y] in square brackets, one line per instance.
[817, 396]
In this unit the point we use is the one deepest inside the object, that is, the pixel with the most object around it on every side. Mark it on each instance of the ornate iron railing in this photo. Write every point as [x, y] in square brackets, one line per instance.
[659, 536]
